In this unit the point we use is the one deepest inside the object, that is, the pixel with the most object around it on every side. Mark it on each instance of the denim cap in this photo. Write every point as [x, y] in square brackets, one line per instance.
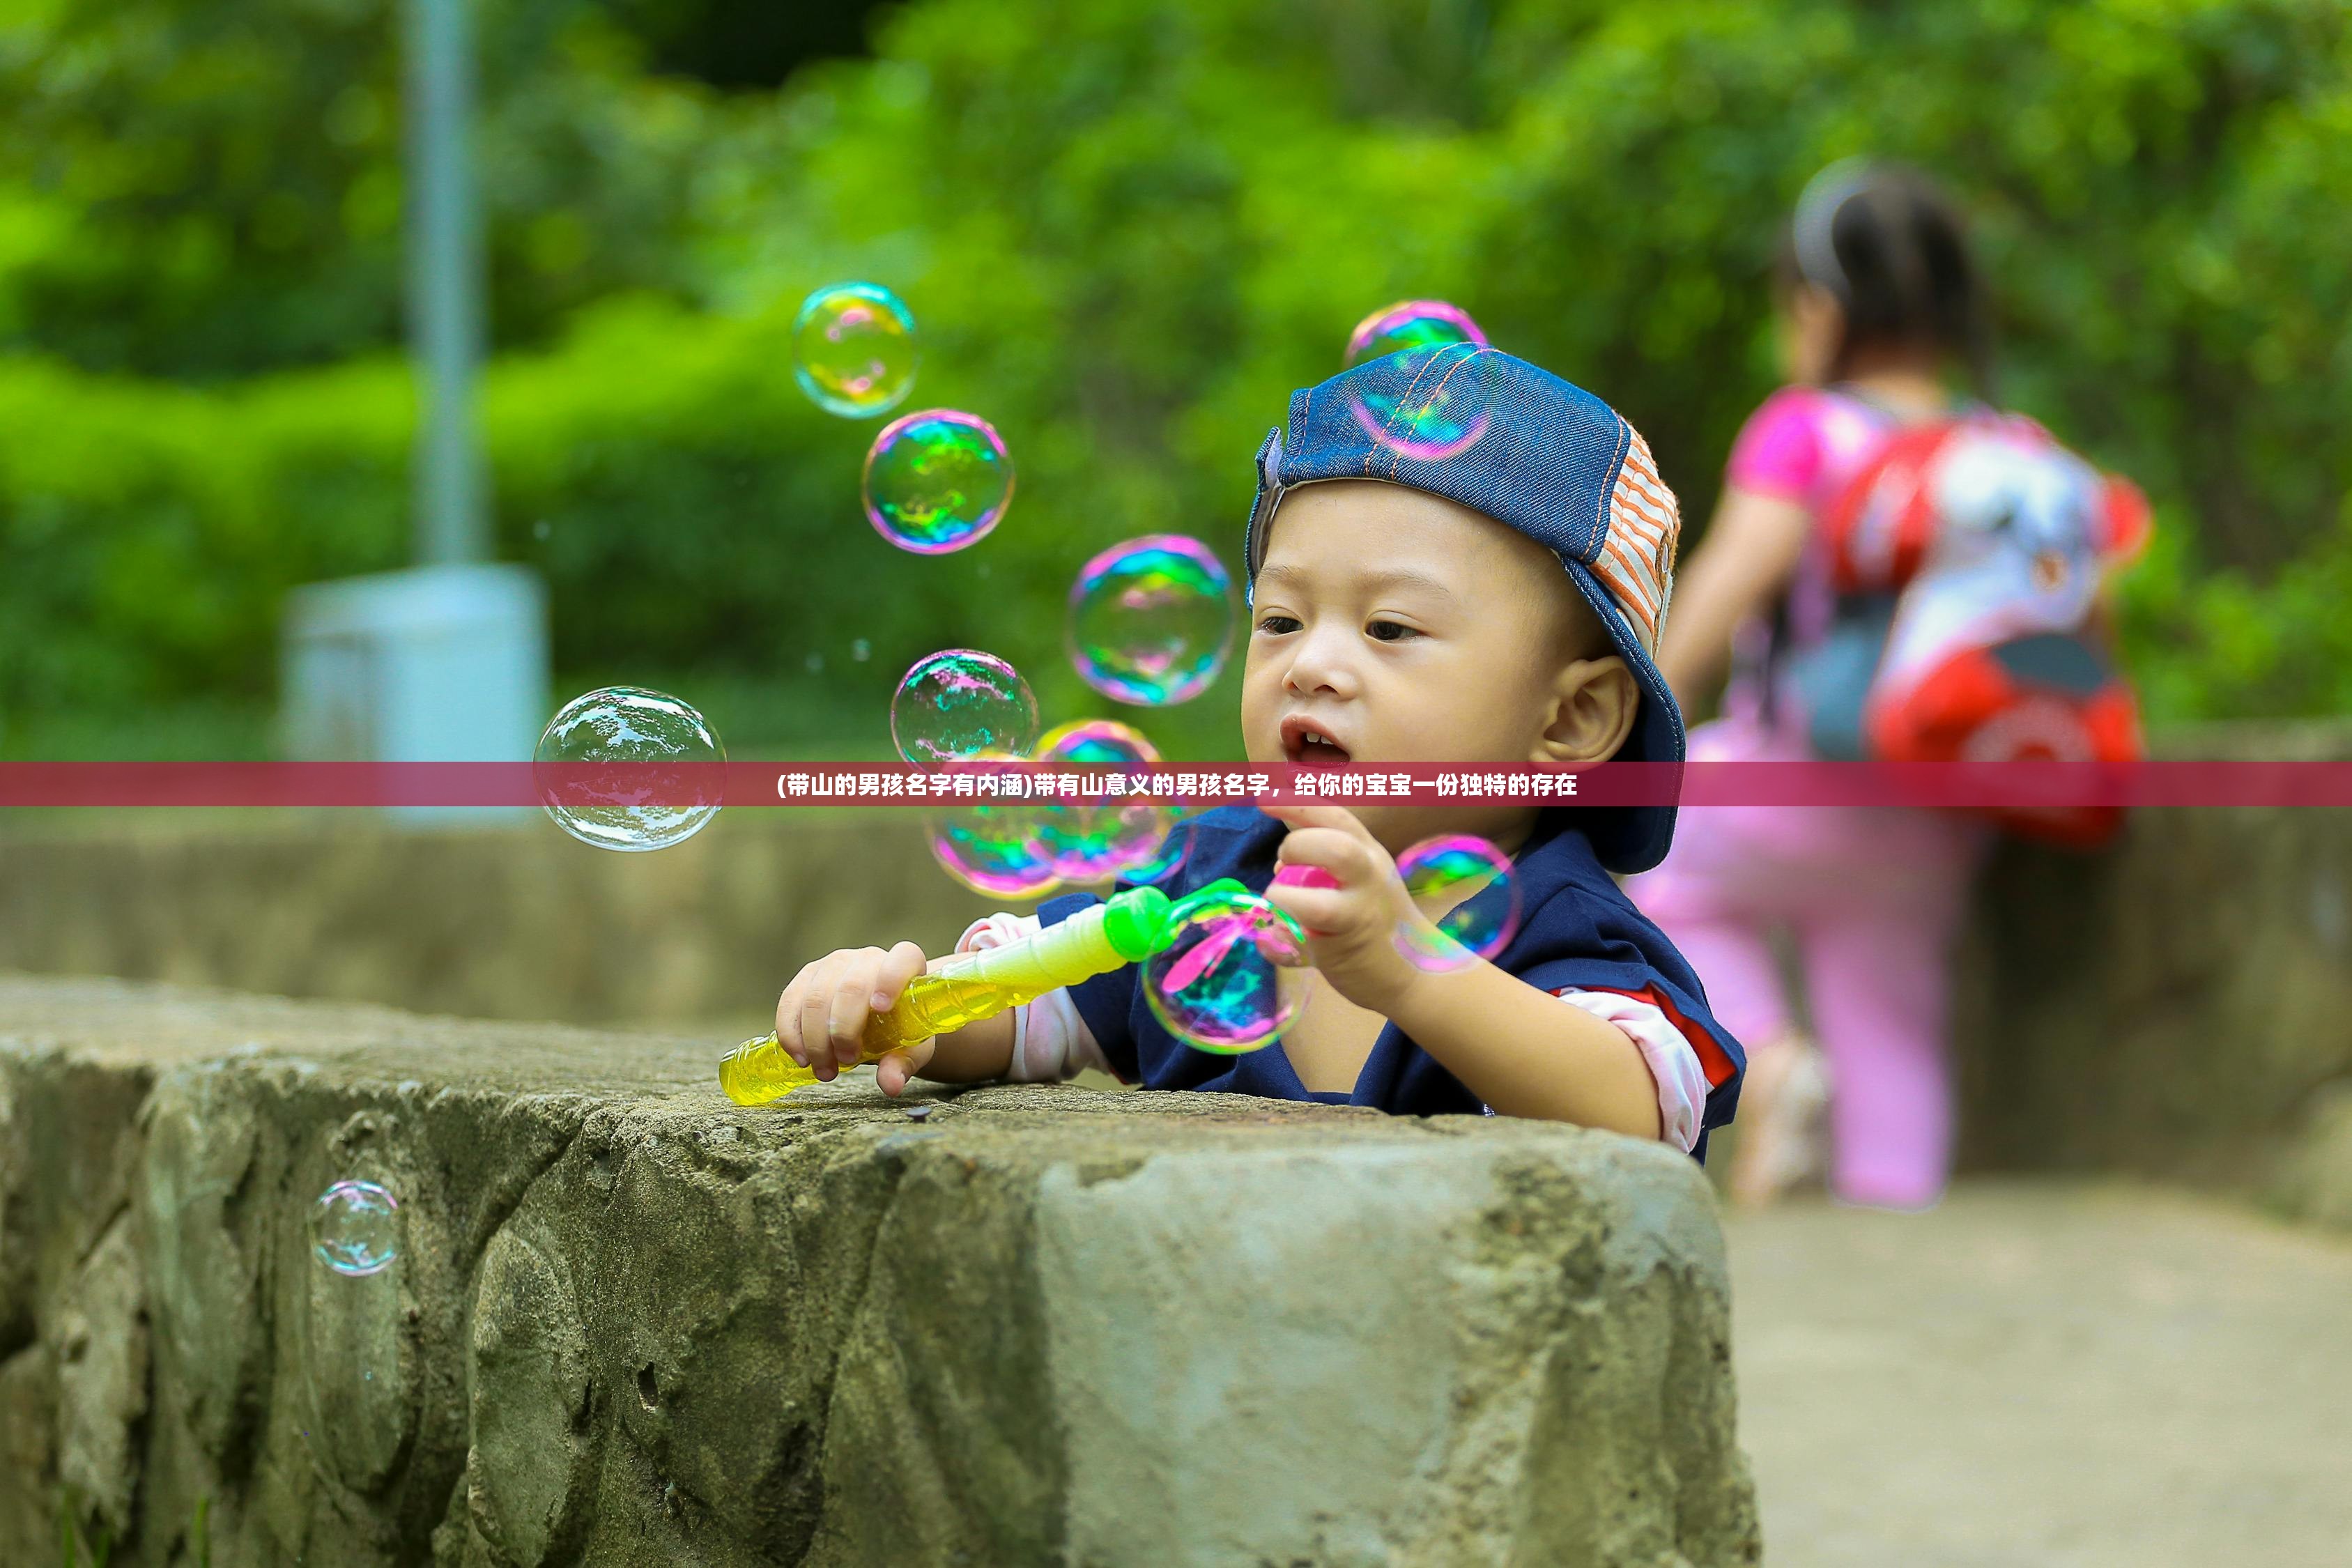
[1495, 434]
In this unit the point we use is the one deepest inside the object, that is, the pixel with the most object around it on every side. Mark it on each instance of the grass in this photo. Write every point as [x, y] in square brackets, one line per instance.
[71, 1545]
[75, 1552]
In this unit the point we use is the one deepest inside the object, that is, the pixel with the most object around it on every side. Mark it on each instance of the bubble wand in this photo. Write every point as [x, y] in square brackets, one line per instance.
[970, 986]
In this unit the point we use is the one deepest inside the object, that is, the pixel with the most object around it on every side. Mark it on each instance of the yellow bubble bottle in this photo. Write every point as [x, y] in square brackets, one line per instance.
[971, 987]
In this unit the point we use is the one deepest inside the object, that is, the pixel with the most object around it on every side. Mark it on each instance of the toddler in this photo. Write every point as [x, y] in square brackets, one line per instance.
[1409, 603]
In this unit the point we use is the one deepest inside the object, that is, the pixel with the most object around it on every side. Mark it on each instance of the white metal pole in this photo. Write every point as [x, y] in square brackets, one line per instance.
[445, 282]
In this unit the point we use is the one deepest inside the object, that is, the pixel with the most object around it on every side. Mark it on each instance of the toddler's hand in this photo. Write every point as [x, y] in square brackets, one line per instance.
[821, 1018]
[1351, 928]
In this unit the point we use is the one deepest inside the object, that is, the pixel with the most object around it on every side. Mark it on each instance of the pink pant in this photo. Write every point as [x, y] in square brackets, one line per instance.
[1871, 899]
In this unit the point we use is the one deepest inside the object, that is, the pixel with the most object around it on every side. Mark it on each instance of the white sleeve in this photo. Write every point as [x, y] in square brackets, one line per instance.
[1050, 1041]
[1673, 1065]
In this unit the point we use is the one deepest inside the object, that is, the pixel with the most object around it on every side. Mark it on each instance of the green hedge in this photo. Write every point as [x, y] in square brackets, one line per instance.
[1129, 229]
[697, 520]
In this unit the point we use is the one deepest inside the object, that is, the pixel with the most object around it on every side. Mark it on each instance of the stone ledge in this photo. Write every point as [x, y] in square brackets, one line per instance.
[632, 1323]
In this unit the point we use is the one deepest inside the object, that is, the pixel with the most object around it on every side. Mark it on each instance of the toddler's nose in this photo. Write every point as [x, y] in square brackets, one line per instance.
[1319, 663]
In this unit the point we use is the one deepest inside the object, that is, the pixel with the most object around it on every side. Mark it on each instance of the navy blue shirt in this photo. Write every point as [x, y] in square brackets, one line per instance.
[1577, 930]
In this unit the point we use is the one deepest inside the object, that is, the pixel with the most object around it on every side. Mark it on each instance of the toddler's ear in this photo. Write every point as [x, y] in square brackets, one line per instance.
[1595, 704]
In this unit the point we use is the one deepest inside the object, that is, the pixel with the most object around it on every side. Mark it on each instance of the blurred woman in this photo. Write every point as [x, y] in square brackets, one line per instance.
[1879, 317]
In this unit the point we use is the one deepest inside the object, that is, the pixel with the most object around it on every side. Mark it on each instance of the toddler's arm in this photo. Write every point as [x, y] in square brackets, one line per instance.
[1050, 1039]
[830, 1001]
[1519, 1048]
[820, 1022]
[1526, 1052]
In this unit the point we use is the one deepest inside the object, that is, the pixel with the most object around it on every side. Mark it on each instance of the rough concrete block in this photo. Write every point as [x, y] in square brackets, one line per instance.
[631, 1323]
[2173, 1006]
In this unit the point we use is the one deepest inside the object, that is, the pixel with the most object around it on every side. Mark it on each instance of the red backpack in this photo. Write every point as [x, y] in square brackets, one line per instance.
[1969, 556]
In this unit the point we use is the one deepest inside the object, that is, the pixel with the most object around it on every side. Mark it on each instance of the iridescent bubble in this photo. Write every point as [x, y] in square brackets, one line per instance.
[1410, 324]
[1464, 888]
[644, 805]
[355, 1228]
[959, 703]
[1095, 841]
[1099, 743]
[1166, 859]
[1433, 405]
[1151, 620]
[995, 846]
[936, 480]
[1232, 978]
[994, 849]
[853, 350]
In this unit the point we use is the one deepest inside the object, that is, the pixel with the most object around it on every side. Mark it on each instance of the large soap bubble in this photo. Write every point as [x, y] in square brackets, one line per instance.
[1099, 743]
[936, 480]
[1095, 840]
[959, 703]
[1234, 975]
[994, 851]
[1410, 324]
[355, 1228]
[997, 847]
[1464, 888]
[643, 807]
[1440, 408]
[853, 350]
[1151, 620]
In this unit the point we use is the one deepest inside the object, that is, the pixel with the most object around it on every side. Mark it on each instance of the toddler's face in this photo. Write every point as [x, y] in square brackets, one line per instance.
[1394, 625]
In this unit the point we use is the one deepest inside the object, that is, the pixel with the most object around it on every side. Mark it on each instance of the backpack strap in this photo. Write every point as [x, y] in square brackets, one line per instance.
[1877, 529]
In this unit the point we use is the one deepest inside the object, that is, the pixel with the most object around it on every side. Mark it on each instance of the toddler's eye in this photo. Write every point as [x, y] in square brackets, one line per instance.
[1389, 631]
[1276, 626]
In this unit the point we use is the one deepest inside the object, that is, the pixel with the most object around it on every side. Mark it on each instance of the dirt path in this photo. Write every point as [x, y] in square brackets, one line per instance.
[2061, 1376]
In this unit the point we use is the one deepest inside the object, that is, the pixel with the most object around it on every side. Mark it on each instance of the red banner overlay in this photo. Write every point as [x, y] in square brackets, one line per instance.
[2026, 785]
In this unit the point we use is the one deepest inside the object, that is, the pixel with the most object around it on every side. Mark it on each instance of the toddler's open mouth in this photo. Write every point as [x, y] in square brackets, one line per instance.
[1304, 740]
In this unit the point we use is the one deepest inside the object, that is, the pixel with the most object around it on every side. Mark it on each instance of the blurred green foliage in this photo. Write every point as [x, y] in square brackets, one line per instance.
[201, 189]
[1128, 228]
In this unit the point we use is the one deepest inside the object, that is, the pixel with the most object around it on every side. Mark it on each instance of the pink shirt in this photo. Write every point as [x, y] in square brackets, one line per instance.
[1805, 444]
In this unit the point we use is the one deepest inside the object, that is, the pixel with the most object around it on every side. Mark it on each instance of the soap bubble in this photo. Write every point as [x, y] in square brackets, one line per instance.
[1093, 841]
[1234, 976]
[1465, 887]
[936, 480]
[1167, 857]
[959, 703]
[1151, 620]
[853, 350]
[1410, 324]
[1442, 410]
[989, 858]
[1099, 743]
[650, 807]
[355, 1228]
[995, 848]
